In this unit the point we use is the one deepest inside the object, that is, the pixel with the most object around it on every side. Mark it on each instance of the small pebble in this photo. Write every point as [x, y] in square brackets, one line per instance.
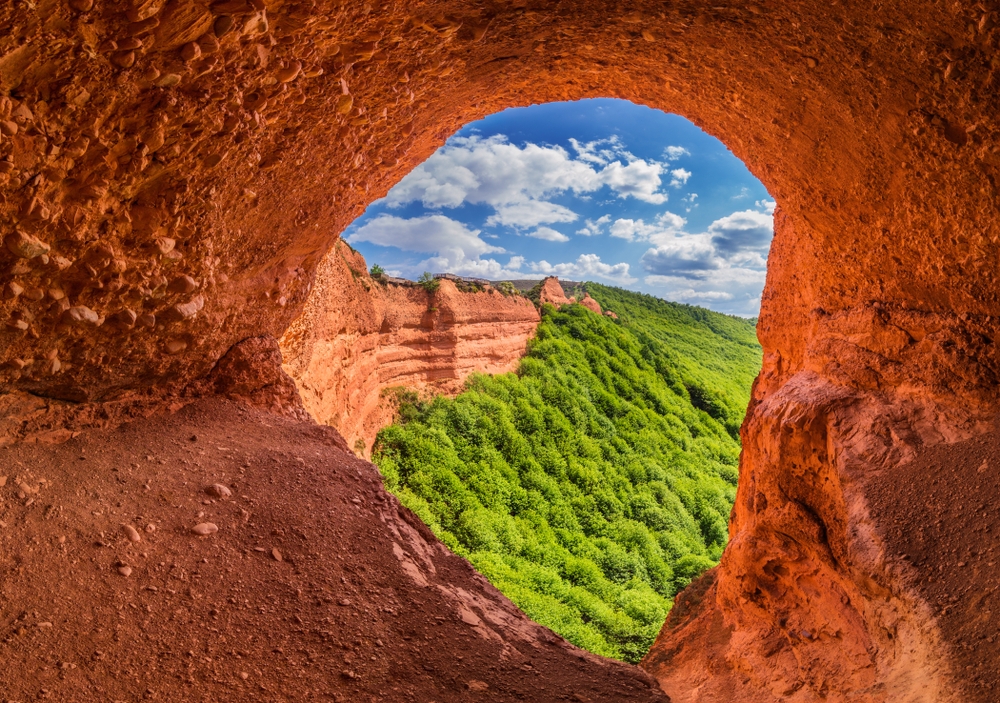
[150, 528]
[205, 528]
[244, 675]
[217, 490]
[125, 570]
[131, 533]
[276, 554]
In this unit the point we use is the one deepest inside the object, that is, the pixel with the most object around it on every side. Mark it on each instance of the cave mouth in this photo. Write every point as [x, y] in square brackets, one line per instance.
[650, 223]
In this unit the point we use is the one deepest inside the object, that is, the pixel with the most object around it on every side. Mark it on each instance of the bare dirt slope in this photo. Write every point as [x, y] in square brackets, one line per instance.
[318, 585]
[940, 517]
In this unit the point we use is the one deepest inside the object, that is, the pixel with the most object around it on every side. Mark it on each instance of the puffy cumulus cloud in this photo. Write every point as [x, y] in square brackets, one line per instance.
[731, 290]
[679, 177]
[478, 268]
[742, 232]
[600, 151]
[455, 247]
[592, 228]
[766, 205]
[548, 234]
[724, 266]
[662, 229]
[685, 256]
[431, 234]
[586, 266]
[518, 181]
[531, 213]
[640, 179]
[672, 153]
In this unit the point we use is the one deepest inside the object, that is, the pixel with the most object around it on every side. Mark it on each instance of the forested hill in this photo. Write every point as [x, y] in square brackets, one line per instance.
[597, 481]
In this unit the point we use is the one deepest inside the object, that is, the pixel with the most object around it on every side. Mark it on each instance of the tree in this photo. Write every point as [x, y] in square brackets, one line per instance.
[428, 282]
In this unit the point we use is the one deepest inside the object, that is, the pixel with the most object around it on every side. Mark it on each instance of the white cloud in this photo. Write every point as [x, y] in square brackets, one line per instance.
[430, 234]
[594, 227]
[747, 231]
[518, 181]
[600, 151]
[672, 153]
[586, 266]
[724, 266]
[665, 226]
[531, 213]
[766, 205]
[455, 248]
[679, 177]
[548, 234]
[640, 179]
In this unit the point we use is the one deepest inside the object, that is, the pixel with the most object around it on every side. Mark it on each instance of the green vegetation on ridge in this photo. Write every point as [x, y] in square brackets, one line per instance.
[597, 481]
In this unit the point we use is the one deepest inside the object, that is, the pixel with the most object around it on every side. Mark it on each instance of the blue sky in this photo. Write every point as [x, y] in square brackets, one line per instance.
[600, 190]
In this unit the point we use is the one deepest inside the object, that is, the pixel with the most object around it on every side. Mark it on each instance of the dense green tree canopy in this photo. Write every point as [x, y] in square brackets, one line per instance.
[597, 481]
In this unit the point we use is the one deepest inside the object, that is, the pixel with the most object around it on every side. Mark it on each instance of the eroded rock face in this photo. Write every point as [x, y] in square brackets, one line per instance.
[359, 337]
[172, 173]
[552, 292]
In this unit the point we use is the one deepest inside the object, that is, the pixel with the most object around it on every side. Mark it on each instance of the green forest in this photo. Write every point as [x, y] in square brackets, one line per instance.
[597, 481]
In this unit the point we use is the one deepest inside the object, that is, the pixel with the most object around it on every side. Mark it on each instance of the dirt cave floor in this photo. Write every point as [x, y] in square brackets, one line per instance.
[941, 517]
[317, 584]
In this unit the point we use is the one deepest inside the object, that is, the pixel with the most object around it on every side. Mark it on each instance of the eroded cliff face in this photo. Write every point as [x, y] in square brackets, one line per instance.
[358, 337]
[172, 173]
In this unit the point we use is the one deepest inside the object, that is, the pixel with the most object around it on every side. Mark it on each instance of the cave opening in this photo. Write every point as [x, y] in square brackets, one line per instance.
[462, 272]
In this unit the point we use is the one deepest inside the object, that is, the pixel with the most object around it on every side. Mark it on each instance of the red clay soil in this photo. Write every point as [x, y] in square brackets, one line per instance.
[318, 585]
[940, 516]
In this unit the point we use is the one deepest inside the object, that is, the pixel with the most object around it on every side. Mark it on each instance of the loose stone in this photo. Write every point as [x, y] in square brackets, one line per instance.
[131, 533]
[217, 490]
[204, 529]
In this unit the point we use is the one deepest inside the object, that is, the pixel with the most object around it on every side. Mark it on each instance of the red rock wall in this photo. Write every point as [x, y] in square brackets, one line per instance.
[173, 172]
[357, 337]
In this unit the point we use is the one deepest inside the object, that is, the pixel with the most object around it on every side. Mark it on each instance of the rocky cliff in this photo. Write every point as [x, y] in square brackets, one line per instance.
[358, 337]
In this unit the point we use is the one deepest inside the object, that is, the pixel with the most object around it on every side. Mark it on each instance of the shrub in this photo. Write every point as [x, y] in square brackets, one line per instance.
[595, 482]
[428, 282]
[377, 272]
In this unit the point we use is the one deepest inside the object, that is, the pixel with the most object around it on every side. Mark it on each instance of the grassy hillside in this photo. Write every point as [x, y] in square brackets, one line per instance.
[597, 481]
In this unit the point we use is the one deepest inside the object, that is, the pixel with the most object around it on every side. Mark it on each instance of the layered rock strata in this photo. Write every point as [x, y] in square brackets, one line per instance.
[359, 338]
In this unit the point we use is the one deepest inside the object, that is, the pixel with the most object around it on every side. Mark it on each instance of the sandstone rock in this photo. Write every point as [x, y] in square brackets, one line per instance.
[553, 293]
[218, 490]
[81, 316]
[382, 333]
[184, 311]
[181, 284]
[204, 529]
[590, 304]
[131, 533]
[123, 319]
[25, 246]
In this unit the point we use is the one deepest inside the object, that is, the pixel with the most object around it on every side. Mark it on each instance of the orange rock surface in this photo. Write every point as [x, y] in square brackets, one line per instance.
[358, 337]
[172, 173]
[552, 292]
[591, 304]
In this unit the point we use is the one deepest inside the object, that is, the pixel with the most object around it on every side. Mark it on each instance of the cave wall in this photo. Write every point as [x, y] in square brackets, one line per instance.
[173, 172]
[357, 338]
